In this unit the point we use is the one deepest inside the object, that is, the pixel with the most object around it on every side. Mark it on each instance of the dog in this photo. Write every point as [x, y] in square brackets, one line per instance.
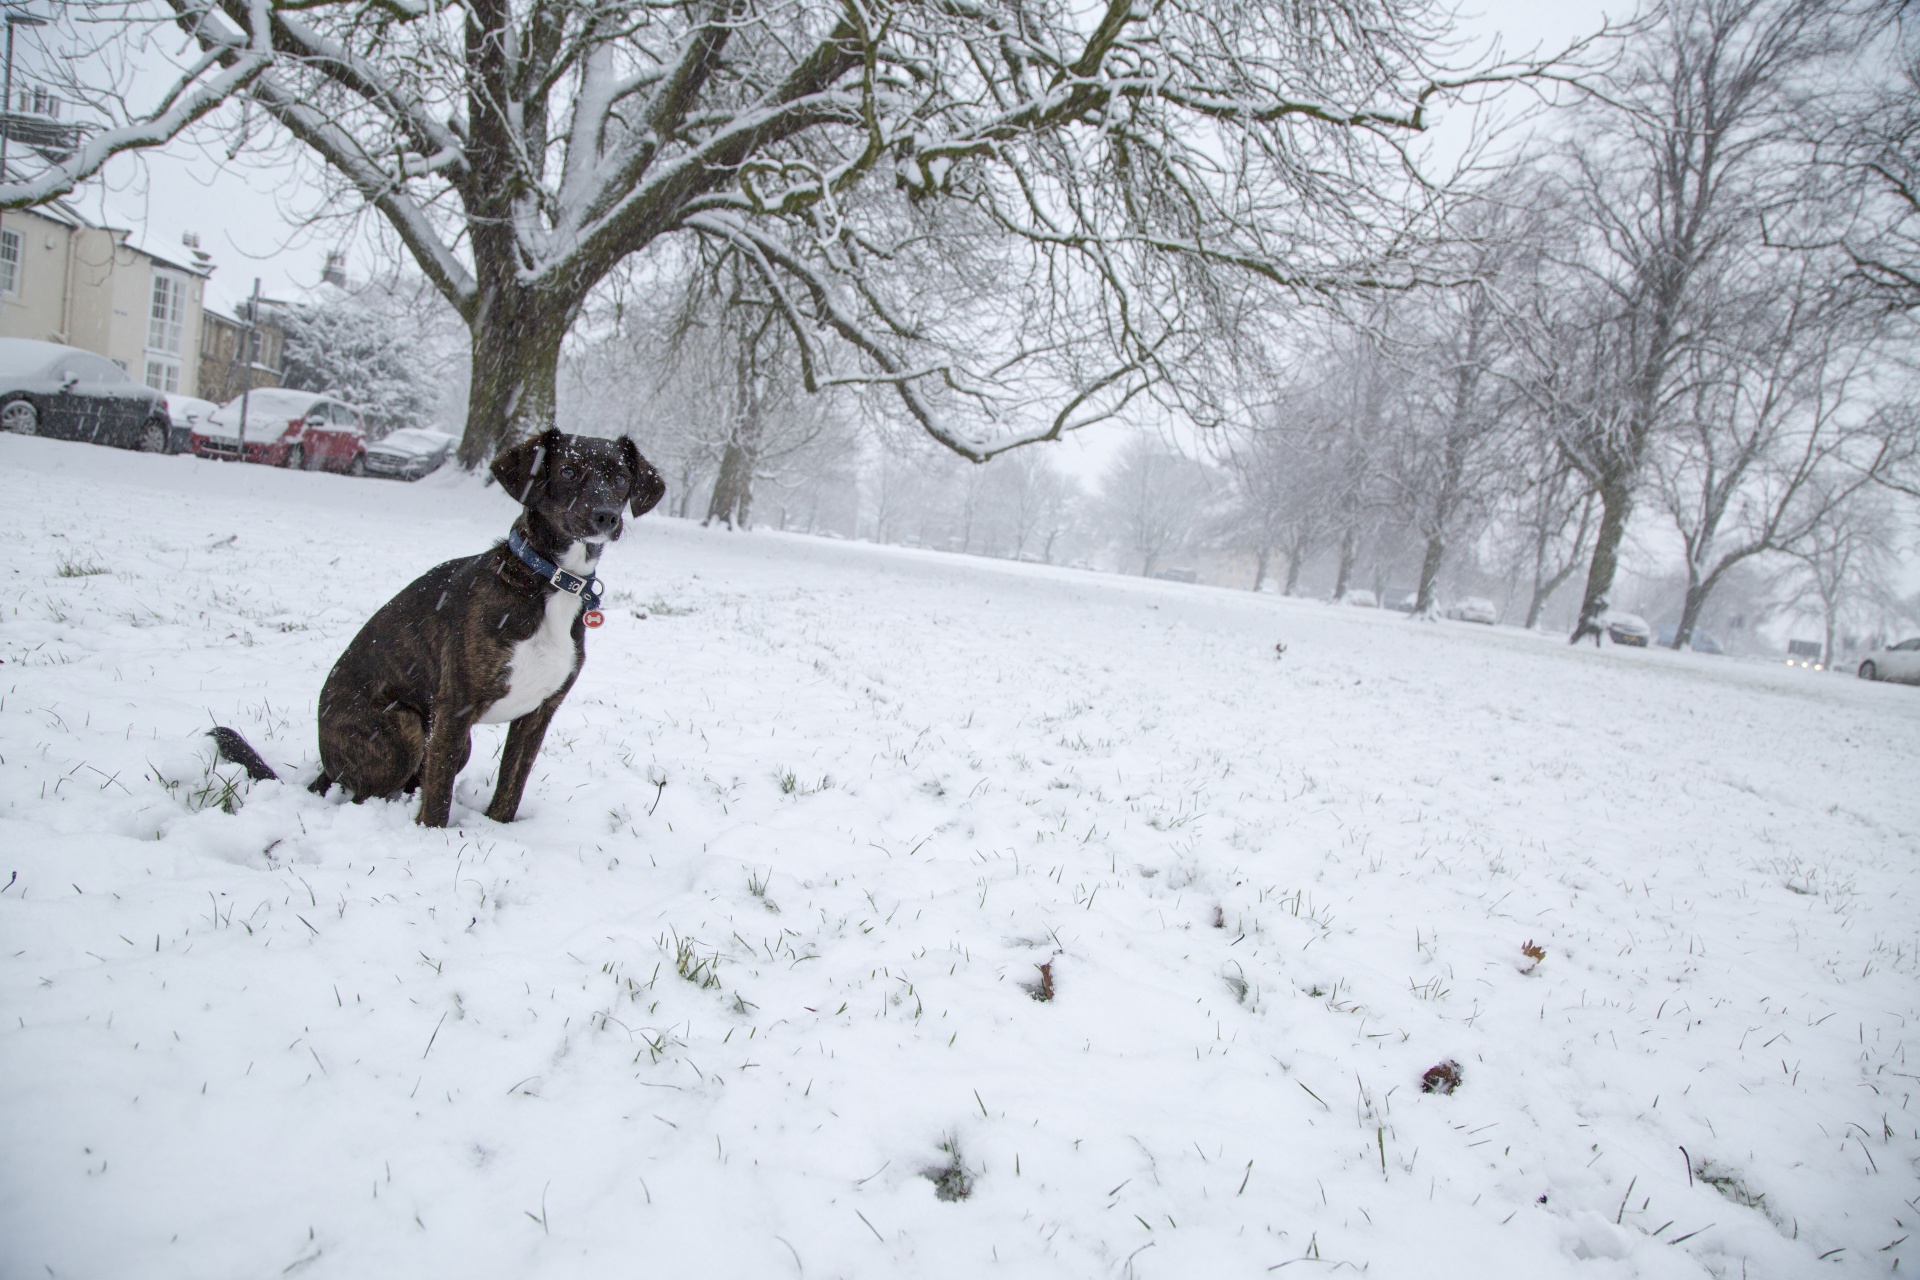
[497, 637]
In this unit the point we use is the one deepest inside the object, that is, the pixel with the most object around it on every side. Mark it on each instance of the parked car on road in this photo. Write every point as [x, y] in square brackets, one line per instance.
[187, 412]
[286, 428]
[1895, 662]
[1473, 609]
[1362, 597]
[409, 453]
[47, 389]
[1806, 653]
[1400, 599]
[1629, 629]
[1703, 641]
[1177, 575]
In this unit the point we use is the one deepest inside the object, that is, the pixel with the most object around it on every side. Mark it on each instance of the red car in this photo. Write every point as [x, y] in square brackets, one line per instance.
[300, 429]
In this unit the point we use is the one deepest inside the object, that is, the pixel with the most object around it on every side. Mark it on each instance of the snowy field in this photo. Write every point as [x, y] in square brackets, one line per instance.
[752, 989]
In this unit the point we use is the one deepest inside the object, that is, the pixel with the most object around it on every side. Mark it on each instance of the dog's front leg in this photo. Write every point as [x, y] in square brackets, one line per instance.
[449, 739]
[516, 758]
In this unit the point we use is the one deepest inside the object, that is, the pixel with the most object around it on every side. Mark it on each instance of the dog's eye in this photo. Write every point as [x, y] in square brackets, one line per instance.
[566, 473]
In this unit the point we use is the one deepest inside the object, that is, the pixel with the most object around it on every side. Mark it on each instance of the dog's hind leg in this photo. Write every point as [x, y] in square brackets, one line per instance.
[321, 785]
[372, 752]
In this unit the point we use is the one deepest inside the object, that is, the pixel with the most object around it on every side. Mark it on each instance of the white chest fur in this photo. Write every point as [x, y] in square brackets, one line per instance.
[545, 660]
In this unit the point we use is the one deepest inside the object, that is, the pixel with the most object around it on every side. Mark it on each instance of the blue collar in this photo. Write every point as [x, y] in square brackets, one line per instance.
[587, 588]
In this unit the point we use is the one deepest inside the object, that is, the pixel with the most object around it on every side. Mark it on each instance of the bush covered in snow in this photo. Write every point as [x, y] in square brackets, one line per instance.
[364, 355]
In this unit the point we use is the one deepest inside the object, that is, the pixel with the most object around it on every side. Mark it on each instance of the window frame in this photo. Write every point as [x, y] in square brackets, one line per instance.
[17, 267]
[175, 284]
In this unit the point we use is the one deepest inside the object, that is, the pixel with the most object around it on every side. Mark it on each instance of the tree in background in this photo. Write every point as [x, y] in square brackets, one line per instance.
[1155, 500]
[369, 356]
[1843, 569]
[1684, 172]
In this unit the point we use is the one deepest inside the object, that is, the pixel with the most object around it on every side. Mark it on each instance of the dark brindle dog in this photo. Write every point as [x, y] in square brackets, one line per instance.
[497, 637]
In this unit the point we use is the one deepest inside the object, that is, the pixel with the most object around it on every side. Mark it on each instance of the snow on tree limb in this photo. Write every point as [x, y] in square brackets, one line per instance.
[199, 89]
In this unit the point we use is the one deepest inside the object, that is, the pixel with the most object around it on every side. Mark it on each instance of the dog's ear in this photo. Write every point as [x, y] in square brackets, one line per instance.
[517, 468]
[648, 487]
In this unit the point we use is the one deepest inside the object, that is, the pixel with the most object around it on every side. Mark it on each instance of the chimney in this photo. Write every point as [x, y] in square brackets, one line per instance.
[336, 269]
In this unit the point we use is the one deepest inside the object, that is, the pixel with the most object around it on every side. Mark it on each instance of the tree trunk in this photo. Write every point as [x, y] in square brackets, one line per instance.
[1294, 560]
[1616, 505]
[516, 364]
[1349, 551]
[1261, 558]
[1429, 574]
[1696, 604]
[733, 489]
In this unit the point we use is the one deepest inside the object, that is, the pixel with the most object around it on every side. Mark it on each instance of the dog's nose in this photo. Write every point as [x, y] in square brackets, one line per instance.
[605, 519]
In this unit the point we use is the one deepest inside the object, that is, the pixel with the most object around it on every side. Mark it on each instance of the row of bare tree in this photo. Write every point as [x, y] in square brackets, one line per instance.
[1688, 306]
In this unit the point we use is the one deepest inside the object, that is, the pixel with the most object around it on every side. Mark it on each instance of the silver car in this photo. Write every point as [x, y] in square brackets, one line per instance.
[1895, 662]
[69, 394]
[1474, 609]
[409, 453]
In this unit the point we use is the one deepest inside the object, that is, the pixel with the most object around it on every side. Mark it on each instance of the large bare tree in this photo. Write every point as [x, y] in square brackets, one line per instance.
[1020, 216]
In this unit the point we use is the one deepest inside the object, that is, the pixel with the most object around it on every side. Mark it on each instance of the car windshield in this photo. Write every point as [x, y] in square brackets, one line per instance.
[414, 440]
[267, 404]
[22, 359]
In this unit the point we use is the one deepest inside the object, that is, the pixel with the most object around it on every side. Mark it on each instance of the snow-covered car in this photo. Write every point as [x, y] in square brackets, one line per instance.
[409, 453]
[1362, 597]
[1703, 640]
[1401, 599]
[286, 428]
[1473, 609]
[1899, 662]
[47, 389]
[1629, 629]
[1809, 654]
[186, 413]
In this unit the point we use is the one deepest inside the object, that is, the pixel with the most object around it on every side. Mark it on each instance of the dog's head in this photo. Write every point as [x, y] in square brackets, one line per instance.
[579, 484]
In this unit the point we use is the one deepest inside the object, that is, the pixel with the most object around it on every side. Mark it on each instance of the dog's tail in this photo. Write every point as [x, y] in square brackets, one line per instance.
[237, 750]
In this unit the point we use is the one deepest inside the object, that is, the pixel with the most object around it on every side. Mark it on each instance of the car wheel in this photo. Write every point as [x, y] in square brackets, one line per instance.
[20, 417]
[1869, 672]
[153, 436]
[358, 467]
[295, 459]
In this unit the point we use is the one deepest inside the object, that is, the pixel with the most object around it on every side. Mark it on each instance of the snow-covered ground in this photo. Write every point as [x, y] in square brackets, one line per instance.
[752, 985]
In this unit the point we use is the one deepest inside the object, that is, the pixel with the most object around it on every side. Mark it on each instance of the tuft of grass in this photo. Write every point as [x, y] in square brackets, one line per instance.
[694, 967]
[790, 784]
[1729, 1184]
[757, 886]
[211, 790]
[950, 1180]
[73, 567]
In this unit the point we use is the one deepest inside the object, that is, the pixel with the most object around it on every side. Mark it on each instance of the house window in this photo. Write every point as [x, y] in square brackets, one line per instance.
[9, 262]
[165, 328]
[163, 375]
